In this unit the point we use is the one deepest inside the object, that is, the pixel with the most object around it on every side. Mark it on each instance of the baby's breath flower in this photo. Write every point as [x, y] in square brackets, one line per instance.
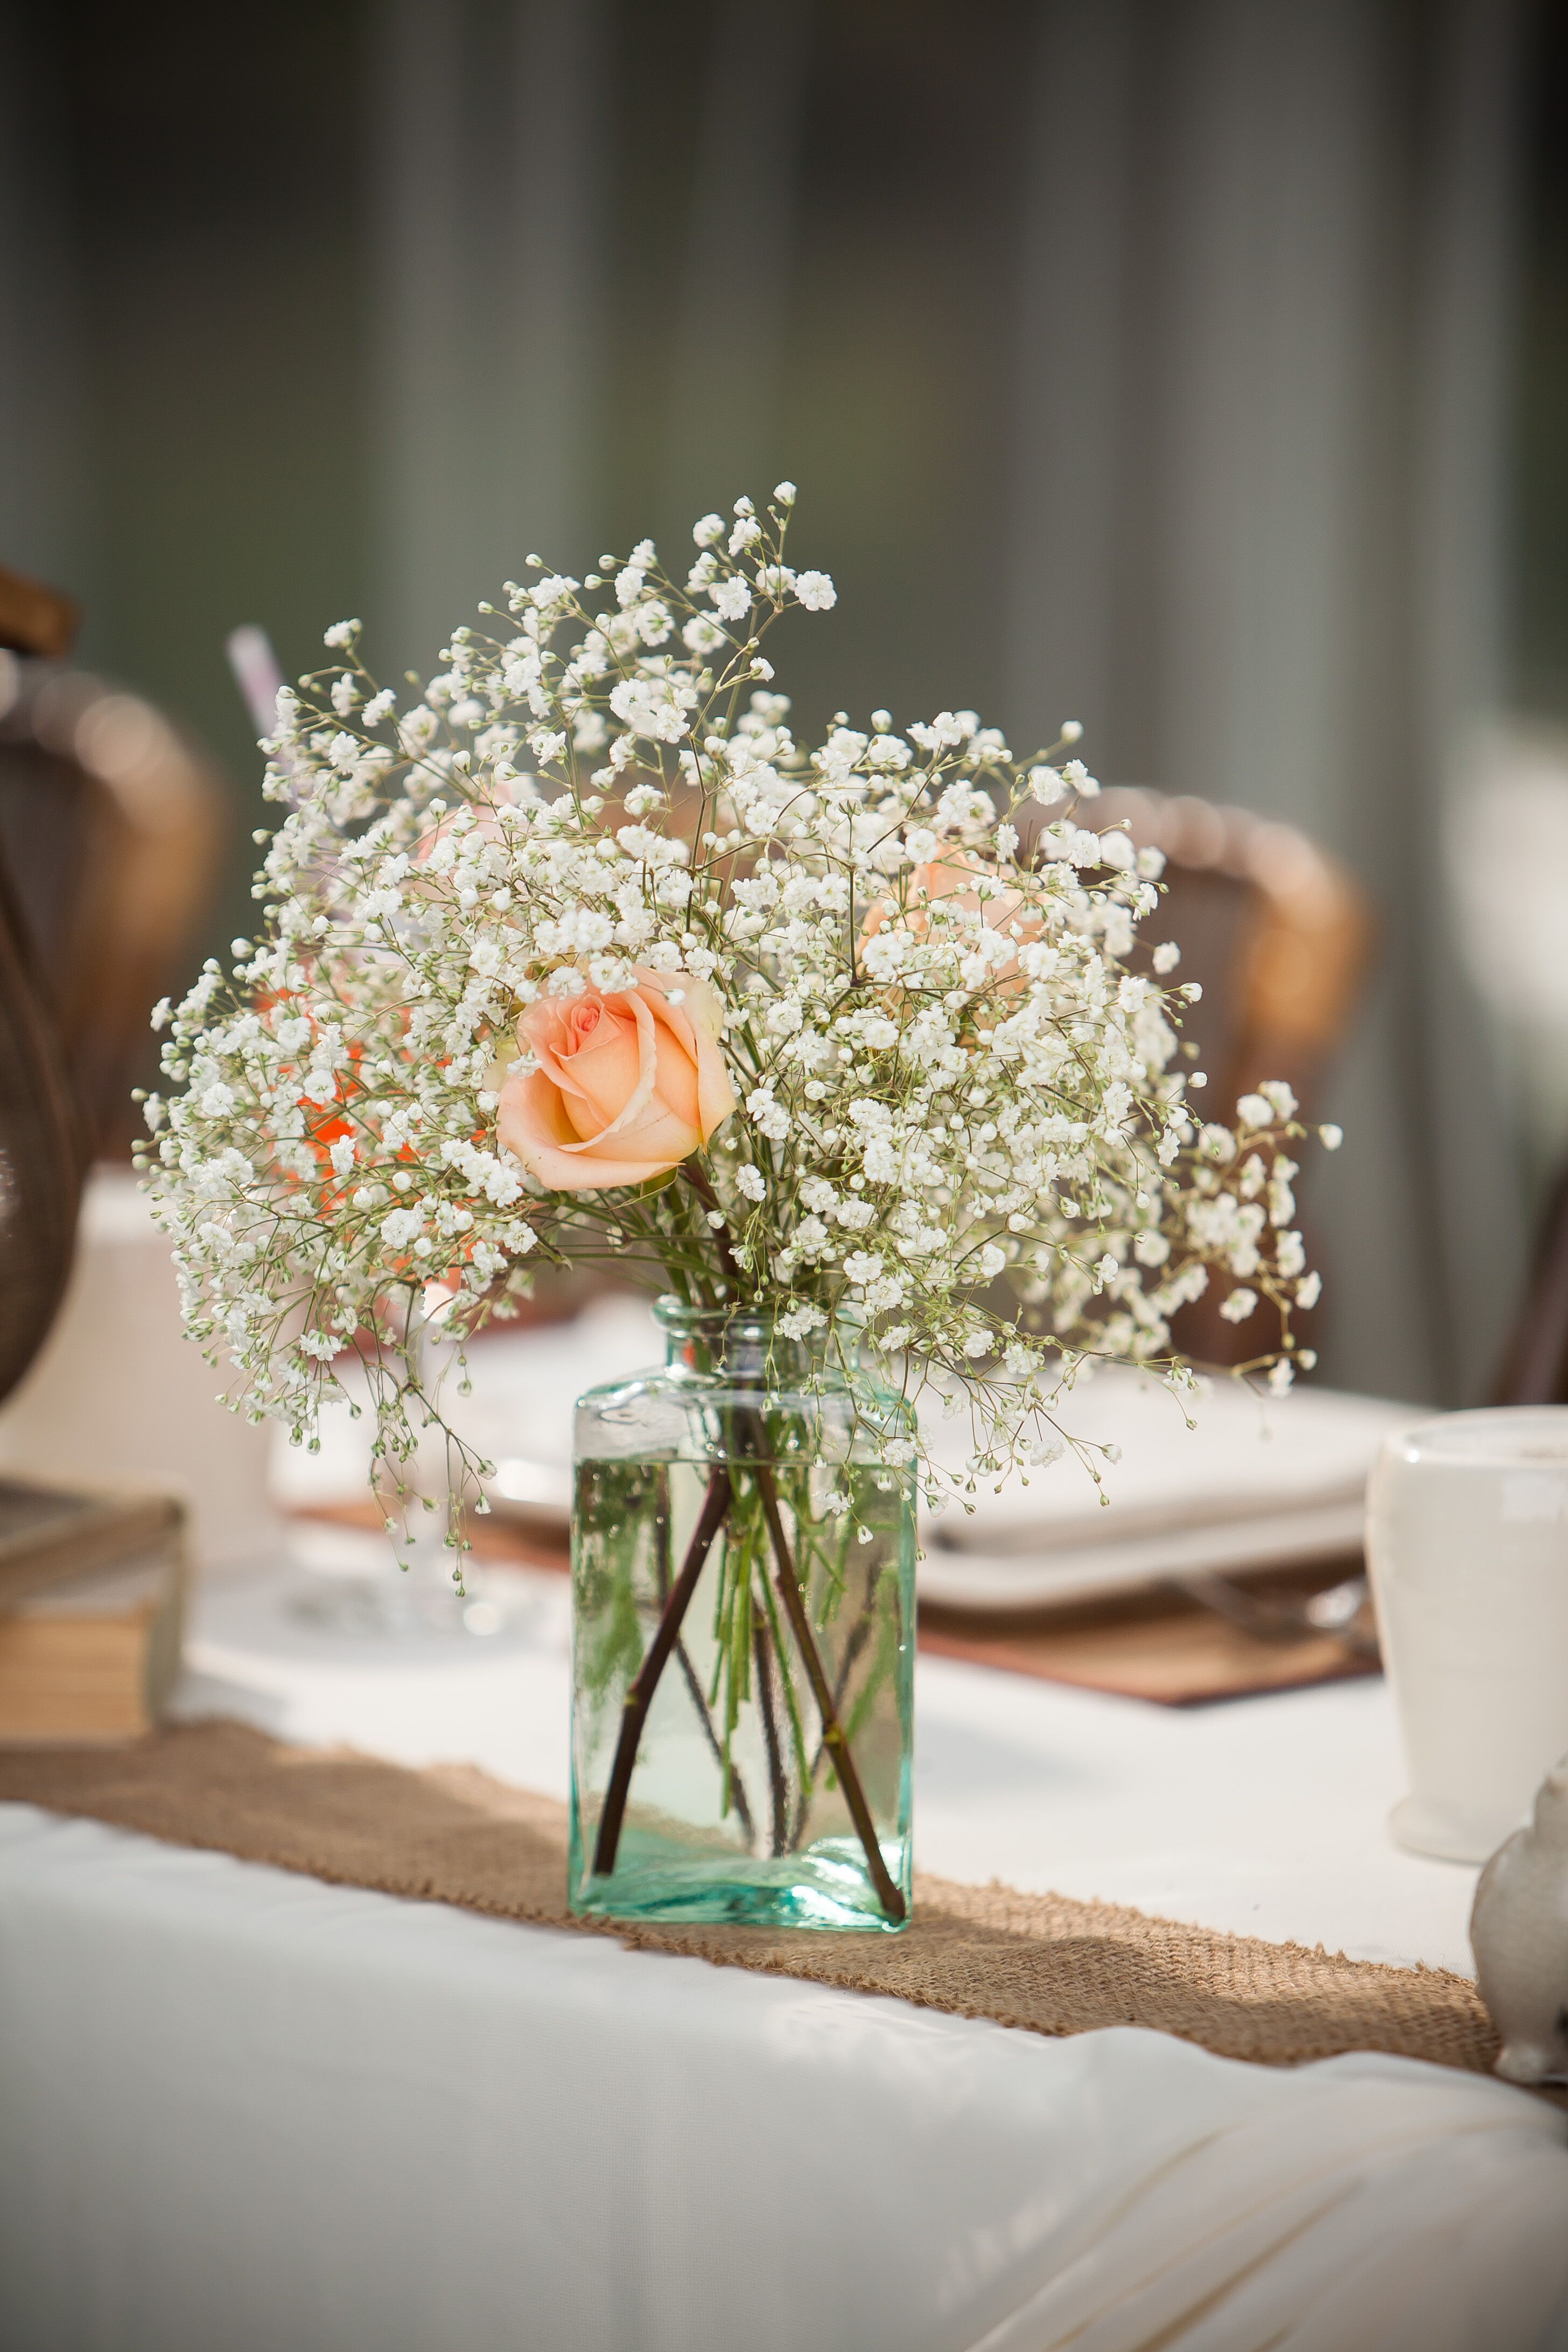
[960, 1118]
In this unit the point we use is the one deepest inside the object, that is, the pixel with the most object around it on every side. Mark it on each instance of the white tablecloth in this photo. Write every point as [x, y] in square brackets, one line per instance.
[243, 2109]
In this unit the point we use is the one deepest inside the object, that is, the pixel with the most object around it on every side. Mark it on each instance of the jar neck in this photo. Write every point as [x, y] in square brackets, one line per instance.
[746, 1342]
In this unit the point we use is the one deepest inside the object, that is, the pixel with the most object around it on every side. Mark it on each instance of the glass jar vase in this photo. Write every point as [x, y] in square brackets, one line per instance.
[744, 1566]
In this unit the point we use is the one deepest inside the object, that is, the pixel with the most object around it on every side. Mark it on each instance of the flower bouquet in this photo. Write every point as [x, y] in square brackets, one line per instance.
[575, 956]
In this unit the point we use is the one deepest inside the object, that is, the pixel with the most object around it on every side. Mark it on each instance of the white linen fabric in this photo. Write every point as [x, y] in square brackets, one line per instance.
[242, 2108]
[246, 2109]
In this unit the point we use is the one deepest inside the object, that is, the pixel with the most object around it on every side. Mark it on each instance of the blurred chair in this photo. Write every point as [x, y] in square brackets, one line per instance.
[111, 821]
[1277, 934]
[1535, 1364]
[40, 1141]
[1507, 845]
[36, 619]
[40, 1128]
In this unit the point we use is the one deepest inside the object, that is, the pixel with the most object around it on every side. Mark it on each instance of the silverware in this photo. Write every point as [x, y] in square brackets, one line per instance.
[1339, 1610]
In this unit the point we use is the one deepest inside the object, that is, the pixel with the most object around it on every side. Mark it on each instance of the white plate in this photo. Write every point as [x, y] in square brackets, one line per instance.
[1259, 1483]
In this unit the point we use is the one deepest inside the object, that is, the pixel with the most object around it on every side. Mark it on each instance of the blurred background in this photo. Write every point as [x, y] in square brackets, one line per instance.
[1195, 368]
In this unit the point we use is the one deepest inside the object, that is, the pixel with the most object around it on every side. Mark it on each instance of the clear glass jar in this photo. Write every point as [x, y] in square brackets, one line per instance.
[744, 1568]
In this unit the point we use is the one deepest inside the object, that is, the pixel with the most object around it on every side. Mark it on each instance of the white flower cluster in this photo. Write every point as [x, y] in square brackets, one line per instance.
[963, 1120]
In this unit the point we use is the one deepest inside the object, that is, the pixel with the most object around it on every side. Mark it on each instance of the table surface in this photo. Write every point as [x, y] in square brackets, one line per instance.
[247, 2107]
[1263, 1817]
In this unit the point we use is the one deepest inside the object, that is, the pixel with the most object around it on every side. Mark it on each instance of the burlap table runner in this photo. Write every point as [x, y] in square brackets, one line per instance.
[452, 1835]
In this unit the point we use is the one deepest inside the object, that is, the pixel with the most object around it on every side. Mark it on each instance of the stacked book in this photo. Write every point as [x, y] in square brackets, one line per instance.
[91, 1606]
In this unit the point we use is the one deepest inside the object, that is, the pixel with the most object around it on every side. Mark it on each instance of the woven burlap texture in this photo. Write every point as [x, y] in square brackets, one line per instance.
[450, 1834]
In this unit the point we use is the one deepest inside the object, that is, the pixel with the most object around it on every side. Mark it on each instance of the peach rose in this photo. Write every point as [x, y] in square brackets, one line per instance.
[626, 1085]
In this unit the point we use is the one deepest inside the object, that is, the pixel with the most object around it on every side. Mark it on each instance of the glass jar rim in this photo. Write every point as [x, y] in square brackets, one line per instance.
[742, 1341]
[744, 1316]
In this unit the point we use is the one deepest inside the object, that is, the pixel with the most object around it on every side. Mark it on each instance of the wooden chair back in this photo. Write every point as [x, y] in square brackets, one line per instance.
[111, 823]
[1279, 935]
[40, 1152]
[1276, 932]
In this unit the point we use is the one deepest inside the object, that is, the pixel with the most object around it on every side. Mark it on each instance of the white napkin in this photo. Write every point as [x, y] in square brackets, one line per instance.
[1258, 1482]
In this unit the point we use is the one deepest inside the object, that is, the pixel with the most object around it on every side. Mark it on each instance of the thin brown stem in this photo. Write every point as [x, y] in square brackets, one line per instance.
[833, 1737]
[762, 1656]
[639, 1696]
[737, 1794]
[860, 1633]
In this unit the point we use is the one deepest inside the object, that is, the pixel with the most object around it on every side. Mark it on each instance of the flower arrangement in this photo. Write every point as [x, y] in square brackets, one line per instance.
[576, 954]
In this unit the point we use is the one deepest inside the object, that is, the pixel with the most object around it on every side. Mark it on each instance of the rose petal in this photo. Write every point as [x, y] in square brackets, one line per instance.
[696, 1021]
[642, 1092]
[611, 1072]
[676, 1056]
[533, 1125]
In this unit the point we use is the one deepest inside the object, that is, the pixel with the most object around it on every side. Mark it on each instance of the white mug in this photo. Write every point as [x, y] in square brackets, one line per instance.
[1467, 1539]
